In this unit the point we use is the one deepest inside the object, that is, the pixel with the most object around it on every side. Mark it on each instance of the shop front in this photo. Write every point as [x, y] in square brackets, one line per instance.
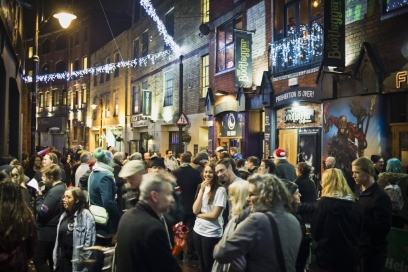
[53, 132]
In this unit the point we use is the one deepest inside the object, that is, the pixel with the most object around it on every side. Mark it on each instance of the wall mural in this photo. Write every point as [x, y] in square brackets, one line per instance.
[352, 127]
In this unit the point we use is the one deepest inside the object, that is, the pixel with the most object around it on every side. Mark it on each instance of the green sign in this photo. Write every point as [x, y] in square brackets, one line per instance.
[397, 256]
[243, 60]
[147, 103]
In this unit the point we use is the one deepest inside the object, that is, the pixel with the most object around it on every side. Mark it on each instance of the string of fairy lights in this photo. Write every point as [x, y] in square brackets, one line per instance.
[111, 67]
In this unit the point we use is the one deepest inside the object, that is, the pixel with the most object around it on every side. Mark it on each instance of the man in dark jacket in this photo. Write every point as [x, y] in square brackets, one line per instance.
[199, 161]
[188, 179]
[143, 243]
[284, 170]
[376, 209]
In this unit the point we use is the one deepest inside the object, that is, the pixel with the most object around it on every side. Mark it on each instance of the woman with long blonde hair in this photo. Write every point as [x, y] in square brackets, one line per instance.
[336, 225]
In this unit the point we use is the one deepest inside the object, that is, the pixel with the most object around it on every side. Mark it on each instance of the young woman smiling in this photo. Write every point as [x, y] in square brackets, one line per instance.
[208, 207]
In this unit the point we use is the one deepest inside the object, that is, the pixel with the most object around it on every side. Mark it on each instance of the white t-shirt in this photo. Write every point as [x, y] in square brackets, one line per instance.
[211, 228]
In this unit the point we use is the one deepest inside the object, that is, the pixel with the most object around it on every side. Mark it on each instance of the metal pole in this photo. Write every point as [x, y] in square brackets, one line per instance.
[34, 83]
[101, 130]
[181, 104]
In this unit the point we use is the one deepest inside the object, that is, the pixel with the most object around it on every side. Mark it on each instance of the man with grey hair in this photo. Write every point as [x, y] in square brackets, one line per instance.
[143, 243]
[81, 170]
[135, 156]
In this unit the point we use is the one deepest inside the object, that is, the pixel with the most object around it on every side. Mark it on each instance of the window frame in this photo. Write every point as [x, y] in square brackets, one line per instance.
[168, 90]
[102, 79]
[234, 21]
[145, 44]
[135, 99]
[204, 75]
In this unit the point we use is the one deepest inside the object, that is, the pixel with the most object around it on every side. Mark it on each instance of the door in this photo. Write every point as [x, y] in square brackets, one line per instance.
[400, 143]
[288, 140]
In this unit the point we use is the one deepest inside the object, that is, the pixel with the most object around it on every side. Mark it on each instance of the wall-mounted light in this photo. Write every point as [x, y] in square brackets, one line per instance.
[315, 3]
[220, 93]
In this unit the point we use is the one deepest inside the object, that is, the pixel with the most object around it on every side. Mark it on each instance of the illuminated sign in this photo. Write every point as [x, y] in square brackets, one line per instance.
[334, 33]
[147, 103]
[299, 115]
[400, 78]
[243, 58]
[396, 82]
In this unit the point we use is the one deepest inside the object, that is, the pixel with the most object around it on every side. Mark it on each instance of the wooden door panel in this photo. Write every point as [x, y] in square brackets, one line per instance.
[288, 140]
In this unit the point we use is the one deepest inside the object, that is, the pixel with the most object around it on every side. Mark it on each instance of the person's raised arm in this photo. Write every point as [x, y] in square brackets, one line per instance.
[199, 199]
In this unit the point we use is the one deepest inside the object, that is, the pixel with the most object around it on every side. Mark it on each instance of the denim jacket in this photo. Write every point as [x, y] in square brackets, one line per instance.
[84, 236]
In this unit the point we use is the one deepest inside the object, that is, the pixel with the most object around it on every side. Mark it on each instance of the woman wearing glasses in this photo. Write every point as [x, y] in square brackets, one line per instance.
[17, 175]
[75, 231]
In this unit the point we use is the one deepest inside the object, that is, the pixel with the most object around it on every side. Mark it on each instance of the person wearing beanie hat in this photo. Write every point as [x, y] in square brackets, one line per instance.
[102, 191]
[284, 169]
[378, 165]
[200, 161]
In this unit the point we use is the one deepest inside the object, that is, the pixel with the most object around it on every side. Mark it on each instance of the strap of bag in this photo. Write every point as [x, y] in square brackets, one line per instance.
[89, 194]
[278, 245]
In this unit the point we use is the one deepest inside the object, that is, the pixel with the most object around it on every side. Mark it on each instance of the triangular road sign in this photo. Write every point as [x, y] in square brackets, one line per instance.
[182, 120]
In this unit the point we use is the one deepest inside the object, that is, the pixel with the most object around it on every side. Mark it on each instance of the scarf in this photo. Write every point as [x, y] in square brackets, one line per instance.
[338, 195]
[104, 168]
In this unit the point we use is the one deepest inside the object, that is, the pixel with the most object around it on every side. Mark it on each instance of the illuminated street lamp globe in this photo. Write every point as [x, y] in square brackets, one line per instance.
[65, 18]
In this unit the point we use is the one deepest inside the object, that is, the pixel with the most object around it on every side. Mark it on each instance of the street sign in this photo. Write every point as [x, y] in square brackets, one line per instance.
[182, 120]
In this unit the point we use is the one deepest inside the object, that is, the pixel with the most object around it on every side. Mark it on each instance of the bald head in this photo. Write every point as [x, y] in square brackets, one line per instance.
[330, 162]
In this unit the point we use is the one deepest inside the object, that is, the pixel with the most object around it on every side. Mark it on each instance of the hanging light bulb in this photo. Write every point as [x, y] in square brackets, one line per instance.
[315, 3]
[65, 18]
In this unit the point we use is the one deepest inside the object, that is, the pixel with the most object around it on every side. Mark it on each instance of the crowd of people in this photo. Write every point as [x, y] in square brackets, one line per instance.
[61, 212]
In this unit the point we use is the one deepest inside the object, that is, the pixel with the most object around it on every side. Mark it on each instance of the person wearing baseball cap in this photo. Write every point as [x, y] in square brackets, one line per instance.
[284, 169]
[132, 173]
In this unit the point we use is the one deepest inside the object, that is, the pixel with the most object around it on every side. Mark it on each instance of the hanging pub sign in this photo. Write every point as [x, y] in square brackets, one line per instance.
[334, 33]
[147, 103]
[243, 60]
[231, 125]
[299, 115]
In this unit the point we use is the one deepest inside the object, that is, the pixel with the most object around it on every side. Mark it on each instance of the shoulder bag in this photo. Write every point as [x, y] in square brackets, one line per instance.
[100, 214]
[278, 245]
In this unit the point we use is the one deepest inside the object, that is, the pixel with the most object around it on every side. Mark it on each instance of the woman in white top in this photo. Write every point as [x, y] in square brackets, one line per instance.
[208, 207]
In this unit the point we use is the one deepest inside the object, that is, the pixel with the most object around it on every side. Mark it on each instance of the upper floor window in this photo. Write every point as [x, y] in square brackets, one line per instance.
[107, 73]
[46, 47]
[116, 60]
[41, 100]
[45, 69]
[76, 38]
[83, 97]
[168, 88]
[30, 52]
[85, 63]
[205, 75]
[145, 44]
[46, 99]
[107, 105]
[61, 43]
[76, 65]
[76, 96]
[61, 67]
[205, 11]
[116, 98]
[136, 49]
[226, 43]
[55, 98]
[170, 25]
[64, 97]
[135, 100]
[392, 8]
[85, 33]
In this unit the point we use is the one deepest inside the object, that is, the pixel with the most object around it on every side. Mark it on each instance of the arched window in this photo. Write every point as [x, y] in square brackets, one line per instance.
[61, 67]
[46, 46]
[45, 69]
[61, 43]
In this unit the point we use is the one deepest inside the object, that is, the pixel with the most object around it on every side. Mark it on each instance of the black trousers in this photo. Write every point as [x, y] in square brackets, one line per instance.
[189, 222]
[42, 254]
[205, 247]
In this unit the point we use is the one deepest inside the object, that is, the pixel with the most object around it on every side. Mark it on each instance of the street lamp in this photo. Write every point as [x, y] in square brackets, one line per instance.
[36, 59]
[93, 106]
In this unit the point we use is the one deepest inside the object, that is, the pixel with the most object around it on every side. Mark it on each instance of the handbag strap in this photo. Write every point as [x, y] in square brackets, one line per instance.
[278, 245]
[89, 194]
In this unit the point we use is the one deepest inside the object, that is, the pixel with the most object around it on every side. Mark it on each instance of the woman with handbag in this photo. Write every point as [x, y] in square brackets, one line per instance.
[75, 231]
[238, 194]
[102, 190]
[208, 206]
[264, 250]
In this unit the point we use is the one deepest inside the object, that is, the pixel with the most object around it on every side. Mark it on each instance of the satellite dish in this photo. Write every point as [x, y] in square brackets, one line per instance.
[205, 29]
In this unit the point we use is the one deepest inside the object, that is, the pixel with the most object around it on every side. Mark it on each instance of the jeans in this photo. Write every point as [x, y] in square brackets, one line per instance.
[205, 247]
[373, 263]
[42, 254]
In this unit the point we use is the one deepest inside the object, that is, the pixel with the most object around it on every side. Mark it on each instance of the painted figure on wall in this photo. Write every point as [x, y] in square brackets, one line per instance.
[350, 141]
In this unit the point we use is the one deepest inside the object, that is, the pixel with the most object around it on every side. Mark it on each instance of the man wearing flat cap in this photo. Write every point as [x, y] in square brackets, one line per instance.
[132, 173]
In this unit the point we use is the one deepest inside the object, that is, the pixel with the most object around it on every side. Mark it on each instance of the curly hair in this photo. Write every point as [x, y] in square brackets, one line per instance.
[270, 165]
[32, 160]
[16, 217]
[303, 168]
[80, 202]
[271, 190]
[333, 181]
[239, 190]
[214, 183]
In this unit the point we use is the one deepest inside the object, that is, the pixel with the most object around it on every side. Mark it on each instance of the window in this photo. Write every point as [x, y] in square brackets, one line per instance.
[61, 67]
[174, 141]
[41, 100]
[116, 97]
[76, 38]
[71, 67]
[168, 88]
[226, 43]
[136, 49]
[84, 63]
[135, 99]
[75, 133]
[64, 97]
[107, 73]
[46, 47]
[169, 25]
[76, 97]
[205, 75]
[70, 99]
[76, 66]
[45, 69]
[30, 52]
[144, 86]
[55, 98]
[102, 75]
[107, 104]
[145, 44]
[46, 99]
[83, 98]
[85, 33]
[96, 76]
[61, 43]
[205, 11]
[116, 60]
